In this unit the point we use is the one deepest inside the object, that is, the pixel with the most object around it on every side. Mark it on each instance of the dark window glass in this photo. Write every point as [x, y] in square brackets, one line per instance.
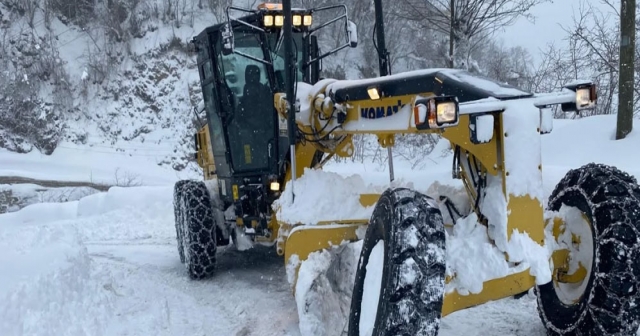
[215, 126]
[251, 128]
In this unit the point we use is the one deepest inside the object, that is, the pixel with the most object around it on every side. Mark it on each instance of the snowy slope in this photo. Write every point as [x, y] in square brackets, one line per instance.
[109, 262]
[132, 97]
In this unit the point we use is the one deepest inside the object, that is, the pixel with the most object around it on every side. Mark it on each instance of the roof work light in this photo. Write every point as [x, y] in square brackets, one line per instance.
[273, 17]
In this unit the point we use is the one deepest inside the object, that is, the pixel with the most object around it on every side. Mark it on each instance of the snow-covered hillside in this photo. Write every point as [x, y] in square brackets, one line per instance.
[100, 84]
[107, 264]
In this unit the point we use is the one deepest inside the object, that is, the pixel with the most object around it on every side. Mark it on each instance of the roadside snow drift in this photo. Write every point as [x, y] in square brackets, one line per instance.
[46, 286]
[47, 280]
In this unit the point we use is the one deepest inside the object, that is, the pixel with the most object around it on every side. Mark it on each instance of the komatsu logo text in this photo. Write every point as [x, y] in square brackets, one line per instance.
[380, 111]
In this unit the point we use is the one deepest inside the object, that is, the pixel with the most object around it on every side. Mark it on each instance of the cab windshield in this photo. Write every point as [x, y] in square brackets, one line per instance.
[275, 45]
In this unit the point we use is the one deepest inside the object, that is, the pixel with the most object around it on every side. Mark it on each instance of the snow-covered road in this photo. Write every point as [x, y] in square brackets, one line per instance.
[112, 266]
[151, 292]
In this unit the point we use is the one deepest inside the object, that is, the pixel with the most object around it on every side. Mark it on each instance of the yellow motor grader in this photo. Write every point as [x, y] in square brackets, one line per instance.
[270, 116]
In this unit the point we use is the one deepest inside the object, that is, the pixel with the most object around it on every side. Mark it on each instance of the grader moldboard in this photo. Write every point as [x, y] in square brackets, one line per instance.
[581, 256]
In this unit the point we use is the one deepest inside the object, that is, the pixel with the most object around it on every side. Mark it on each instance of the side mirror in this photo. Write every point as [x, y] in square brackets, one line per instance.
[481, 128]
[193, 46]
[352, 31]
[227, 39]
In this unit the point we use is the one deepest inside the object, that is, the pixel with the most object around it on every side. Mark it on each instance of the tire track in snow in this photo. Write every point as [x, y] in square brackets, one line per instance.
[238, 300]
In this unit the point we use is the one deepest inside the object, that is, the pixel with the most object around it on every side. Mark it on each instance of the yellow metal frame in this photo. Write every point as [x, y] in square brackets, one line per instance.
[204, 155]
[525, 214]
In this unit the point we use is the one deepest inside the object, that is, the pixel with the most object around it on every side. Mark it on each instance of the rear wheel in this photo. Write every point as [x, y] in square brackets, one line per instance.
[196, 228]
[600, 205]
[399, 285]
[177, 195]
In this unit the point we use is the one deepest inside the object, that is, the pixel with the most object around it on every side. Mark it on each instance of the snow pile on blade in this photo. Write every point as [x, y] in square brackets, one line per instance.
[323, 290]
[323, 196]
[45, 283]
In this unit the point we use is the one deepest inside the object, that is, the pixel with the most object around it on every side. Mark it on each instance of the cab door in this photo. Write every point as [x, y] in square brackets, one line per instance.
[250, 126]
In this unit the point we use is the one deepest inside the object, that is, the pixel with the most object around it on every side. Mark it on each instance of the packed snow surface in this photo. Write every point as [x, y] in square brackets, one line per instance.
[107, 264]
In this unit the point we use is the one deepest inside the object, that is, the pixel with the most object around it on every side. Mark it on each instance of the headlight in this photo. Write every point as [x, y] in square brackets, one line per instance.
[307, 20]
[279, 20]
[268, 20]
[297, 20]
[446, 112]
[436, 112]
[275, 186]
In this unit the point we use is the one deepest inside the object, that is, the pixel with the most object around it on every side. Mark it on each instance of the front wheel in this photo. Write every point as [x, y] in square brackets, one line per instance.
[400, 279]
[600, 208]
[196, 229]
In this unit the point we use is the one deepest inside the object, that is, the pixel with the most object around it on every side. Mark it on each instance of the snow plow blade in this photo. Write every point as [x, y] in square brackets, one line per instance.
[306, 239]
[302, 240]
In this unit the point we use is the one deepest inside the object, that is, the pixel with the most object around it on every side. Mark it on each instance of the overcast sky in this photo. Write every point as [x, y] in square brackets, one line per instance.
[546, 29]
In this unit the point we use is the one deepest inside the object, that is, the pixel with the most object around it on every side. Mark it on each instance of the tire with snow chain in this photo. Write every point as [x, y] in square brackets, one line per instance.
[196, 226]
[607, 301]
[405, 242]
[177, 195]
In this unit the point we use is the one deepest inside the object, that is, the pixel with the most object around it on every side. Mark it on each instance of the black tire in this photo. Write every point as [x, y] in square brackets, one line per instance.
[195, 220]
[177, 195]
[610, 304]
[411, 226]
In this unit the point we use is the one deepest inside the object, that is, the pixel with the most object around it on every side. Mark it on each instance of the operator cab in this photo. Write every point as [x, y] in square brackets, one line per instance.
[242, 65]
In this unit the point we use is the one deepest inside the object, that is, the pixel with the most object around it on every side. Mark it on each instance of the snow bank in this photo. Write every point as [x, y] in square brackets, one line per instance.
[71, 162]
[100, 203]
[41, 213]
[323, 196]
[45, 283]
[574, 143]
[122, 198]
[153, 205]
[48, 285]
[27, 194]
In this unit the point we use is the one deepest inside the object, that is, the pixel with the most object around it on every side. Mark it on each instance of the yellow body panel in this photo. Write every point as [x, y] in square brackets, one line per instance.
[526, 215]
[367, 200]
[486, 153]
[204, 155]
[492, 290]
